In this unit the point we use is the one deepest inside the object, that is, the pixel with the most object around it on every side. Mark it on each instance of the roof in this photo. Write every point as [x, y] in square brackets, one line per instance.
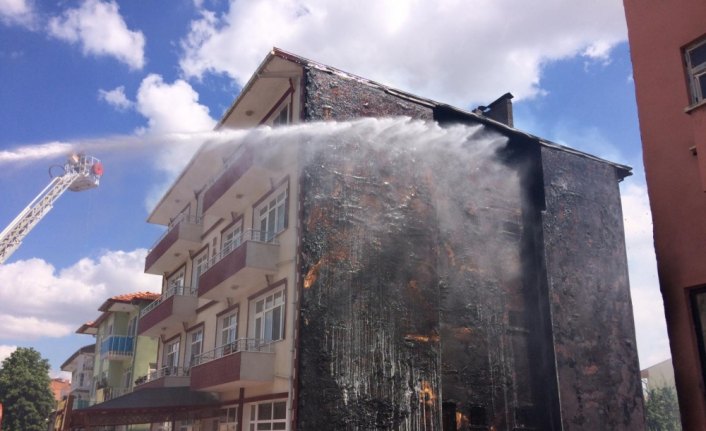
[145, 405]
[88, 349]
[275, 53]
[129, 298]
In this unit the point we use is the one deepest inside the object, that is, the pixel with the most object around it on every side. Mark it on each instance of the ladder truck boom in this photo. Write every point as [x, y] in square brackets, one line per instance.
[80, 172]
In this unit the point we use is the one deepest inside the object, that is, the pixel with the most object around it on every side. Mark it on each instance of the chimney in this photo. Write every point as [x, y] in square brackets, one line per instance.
[500, 110]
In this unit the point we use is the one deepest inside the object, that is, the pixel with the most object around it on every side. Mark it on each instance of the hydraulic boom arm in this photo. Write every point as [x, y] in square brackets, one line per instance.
[79, 173]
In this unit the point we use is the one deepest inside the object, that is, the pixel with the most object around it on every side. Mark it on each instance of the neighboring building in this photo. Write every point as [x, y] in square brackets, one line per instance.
[349, 284]
[119, 352]
[668, 49]
[60, 388]
[659, 375]
[80, 365]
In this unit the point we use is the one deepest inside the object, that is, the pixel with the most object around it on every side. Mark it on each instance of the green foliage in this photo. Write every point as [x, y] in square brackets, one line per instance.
[662, 410]
[25, 391]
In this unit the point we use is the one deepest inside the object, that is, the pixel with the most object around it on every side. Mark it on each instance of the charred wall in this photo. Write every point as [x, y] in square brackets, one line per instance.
[591, 311]
[330, 96]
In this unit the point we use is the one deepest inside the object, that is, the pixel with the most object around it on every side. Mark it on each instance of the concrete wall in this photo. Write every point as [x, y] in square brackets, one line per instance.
[676, 177]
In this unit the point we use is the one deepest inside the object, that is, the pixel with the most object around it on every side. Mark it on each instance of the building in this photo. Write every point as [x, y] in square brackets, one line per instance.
[120, 353]
[60, 388]
[668, 48]
[321, 279]
[80, 365]
[659, 375]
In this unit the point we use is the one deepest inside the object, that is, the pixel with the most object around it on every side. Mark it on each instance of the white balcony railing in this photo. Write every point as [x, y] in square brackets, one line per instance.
[172, 291]
[240, 345]
[239, 240]
[186, 218]
[169, 371]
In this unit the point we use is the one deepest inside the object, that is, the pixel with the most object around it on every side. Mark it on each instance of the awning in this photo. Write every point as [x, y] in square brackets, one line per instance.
[149, 405]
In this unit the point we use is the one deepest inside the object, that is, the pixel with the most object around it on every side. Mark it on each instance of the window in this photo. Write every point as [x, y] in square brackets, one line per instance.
[268, 416]
[695, 56]
[228, 329]
[271, 216]
[228, 419]
[171, 355]
[199, 267]
[698, 308]
[194, 344]
[175, 282]
[132, 327]
[282, 117]
[231, 238]
[269, 317]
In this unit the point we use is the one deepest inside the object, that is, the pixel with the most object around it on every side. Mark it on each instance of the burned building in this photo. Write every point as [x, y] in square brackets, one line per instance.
[396, 264]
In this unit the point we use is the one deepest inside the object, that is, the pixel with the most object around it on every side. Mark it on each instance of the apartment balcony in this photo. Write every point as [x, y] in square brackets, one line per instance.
[166, 377]
[242, 175]
[171, 248]
[109, 392]
[117, 347]
[254, 255]
[176, 305]
[243, 363]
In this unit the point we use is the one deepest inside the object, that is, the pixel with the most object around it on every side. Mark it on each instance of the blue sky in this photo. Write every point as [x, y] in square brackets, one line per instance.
[133, 83]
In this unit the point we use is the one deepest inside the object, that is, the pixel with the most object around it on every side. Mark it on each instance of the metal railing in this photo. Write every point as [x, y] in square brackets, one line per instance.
[226, 164]
[174, 290]
[248, 235]
[240, 345]
[183, 217]
[163, 372]
[117, 345]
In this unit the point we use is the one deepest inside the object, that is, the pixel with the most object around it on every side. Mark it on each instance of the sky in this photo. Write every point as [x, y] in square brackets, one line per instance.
[136, 84]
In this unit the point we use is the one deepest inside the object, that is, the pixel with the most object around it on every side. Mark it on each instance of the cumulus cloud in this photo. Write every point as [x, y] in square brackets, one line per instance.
[20, 12]
[41, 301]
[6, 351]
[451, 50]
[116, 98]
[650, 325]
[100, 30]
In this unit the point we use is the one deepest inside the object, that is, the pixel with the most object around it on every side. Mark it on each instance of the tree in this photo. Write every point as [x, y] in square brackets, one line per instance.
[662, 410]
[25, 391]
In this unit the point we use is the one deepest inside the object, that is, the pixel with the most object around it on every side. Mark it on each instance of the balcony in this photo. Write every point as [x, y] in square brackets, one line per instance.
[110, 392]
[117, 347]
[254, 255]
[243, 174]
[176, 305]
[243, 363]
[166, 377]
[169, 250]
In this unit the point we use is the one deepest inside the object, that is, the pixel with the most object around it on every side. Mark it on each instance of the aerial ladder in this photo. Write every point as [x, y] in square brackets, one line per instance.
[79, 173]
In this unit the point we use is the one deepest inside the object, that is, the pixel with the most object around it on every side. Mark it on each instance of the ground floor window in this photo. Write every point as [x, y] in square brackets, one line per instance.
[271, 415]
[228, 419]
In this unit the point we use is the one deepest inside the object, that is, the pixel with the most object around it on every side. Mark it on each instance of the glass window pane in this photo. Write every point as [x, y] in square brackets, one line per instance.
[280, 410]
[697, 55]
[258, 328]
[279, 426]
[268, 326]
[258, 306]
[266, 426]
[276, 323]
[702, 84]
[264, 412]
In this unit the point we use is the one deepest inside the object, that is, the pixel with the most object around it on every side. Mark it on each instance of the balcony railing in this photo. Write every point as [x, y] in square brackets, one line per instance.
[240, 345]
[239, 241]
[186, 218]
[117, 345]
[172, 291]
[169, 371]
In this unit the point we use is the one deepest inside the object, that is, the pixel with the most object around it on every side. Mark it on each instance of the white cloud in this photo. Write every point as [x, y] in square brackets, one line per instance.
[648, 308]
[451, 50]
[100, 30]
[116, 98]
[67, 298]
[172, 107]
[5, 352]
[19, 12]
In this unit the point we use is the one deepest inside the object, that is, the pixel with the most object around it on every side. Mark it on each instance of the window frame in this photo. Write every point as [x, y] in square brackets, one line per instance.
[254, 420]
[694, 72]
[199, 259]
[258, 333]
[230, 244]
[699, 325]
[174, 341]
[263, 207]
[189, 353]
